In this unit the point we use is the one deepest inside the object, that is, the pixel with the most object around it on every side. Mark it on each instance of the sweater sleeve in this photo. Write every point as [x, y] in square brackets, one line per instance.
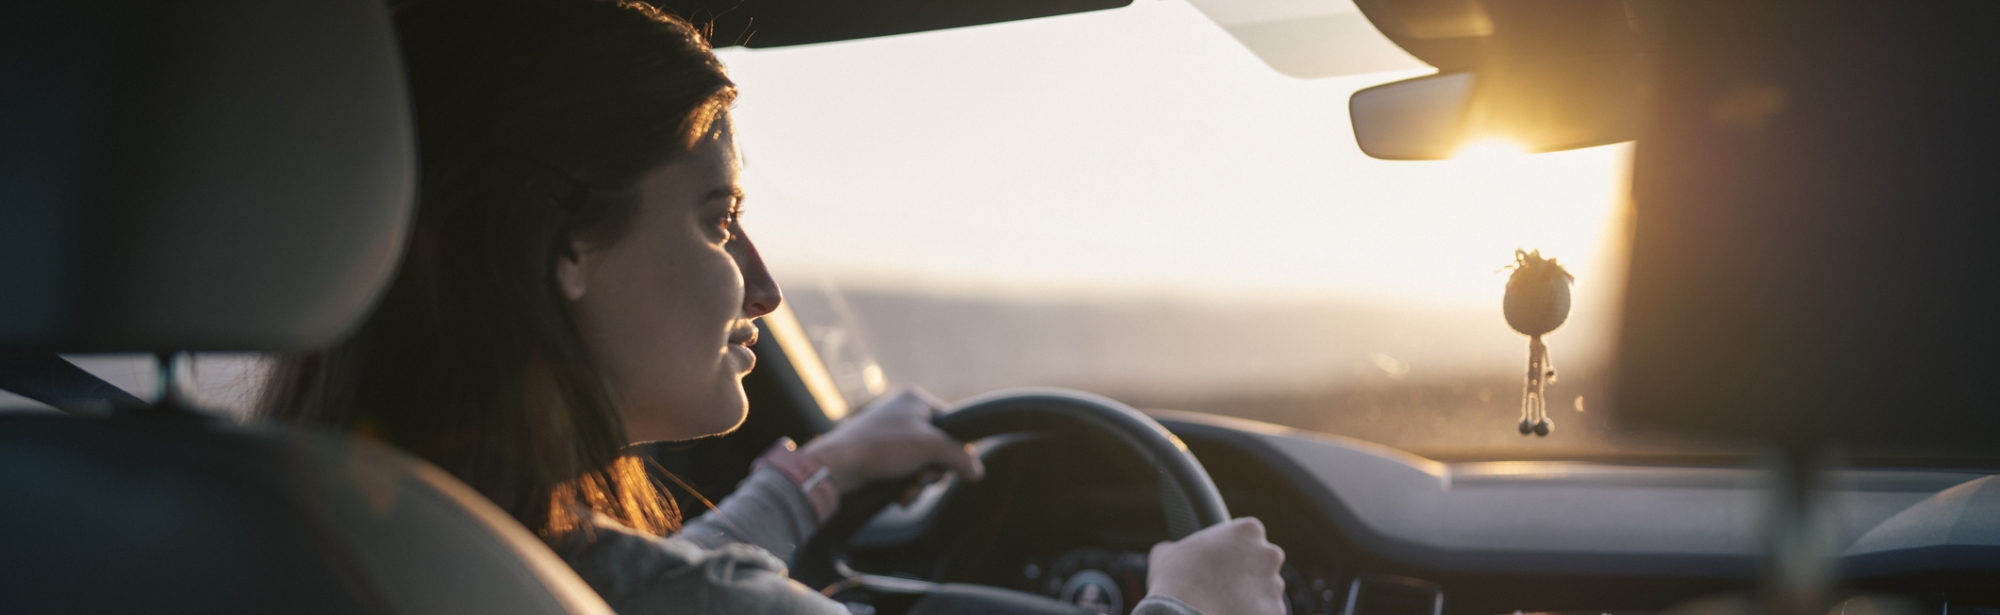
[767, 510]
[641, 574]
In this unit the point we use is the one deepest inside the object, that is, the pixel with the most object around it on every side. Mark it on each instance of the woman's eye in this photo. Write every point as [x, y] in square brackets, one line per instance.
[726, 222]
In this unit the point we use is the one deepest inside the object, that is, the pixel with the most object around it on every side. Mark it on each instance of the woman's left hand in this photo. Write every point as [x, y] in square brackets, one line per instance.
[891, 438]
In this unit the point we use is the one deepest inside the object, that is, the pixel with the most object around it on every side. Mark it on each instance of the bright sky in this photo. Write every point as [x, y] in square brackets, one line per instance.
[1138, 148]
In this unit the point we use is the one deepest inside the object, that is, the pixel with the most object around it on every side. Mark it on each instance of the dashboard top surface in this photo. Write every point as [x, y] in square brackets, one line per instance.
[1545, 517]
[1571, 517]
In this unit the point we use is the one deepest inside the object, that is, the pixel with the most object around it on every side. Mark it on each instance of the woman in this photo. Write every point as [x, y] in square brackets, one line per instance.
[578, 280]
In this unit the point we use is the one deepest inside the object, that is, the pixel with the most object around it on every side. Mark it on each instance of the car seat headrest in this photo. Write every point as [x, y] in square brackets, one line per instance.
[198, 174]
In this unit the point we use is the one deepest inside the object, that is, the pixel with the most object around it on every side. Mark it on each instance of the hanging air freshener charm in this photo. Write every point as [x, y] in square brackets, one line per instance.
[1537, 302]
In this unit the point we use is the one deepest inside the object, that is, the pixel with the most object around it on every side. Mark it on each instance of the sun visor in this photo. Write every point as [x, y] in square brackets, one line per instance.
[198, 174]
[1309, 39]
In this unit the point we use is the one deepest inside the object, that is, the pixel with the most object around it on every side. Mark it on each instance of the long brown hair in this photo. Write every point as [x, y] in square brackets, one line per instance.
[536, 119]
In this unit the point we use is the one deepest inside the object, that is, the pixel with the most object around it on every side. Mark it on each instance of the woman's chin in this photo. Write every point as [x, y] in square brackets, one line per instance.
[718, 414]
[723, 422]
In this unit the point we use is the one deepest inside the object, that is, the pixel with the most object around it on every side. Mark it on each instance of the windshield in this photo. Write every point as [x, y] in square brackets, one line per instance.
[1133, 203]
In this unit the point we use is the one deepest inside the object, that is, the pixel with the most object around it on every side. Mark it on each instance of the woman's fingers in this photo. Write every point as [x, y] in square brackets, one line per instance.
[932, 405]
[958, 456]
[1228, 568]
[913, 409]
[891, 439]
[908, 403]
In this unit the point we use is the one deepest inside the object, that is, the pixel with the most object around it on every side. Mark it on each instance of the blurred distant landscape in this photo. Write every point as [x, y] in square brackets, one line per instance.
[1436, 382]
[1439, 383]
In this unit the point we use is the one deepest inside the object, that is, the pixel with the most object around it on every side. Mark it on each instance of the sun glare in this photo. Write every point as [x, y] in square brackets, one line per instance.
[1490, 149]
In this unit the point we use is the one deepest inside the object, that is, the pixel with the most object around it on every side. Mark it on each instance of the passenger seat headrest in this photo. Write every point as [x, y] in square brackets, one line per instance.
[198, 174]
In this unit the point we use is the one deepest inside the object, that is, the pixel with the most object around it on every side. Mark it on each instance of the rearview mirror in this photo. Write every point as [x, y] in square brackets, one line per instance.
[1416, 119]
[1553, 106]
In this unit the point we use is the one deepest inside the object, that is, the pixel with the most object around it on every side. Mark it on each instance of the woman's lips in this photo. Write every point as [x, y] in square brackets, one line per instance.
[740, 343]
[748, 358]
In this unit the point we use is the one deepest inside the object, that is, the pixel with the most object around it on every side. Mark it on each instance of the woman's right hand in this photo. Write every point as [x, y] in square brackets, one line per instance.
[891, 438]
[1227, 569]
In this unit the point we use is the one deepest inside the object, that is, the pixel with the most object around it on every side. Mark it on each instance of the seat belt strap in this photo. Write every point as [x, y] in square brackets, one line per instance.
[53, 380]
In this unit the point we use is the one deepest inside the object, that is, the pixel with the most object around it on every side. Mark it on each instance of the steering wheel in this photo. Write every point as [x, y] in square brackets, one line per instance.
[1187, 495]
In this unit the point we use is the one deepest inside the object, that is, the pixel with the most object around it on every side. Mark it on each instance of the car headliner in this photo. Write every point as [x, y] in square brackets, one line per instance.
[778, 23]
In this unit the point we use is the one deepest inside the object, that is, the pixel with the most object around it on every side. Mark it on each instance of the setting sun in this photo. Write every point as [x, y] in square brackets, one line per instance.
[1489, 149]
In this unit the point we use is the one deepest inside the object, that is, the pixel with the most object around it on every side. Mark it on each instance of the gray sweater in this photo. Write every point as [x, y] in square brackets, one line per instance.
[726, 561]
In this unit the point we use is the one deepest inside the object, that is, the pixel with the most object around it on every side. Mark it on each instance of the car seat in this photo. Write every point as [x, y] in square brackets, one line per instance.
[210, 175]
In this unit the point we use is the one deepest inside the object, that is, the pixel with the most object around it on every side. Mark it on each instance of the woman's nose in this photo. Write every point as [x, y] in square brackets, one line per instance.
[760, 292]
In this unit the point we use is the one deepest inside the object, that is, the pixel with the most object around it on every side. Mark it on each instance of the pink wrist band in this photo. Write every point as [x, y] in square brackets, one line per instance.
[805, 472]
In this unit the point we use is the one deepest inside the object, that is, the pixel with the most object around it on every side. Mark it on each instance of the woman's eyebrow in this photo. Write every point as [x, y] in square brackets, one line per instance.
[724, 192]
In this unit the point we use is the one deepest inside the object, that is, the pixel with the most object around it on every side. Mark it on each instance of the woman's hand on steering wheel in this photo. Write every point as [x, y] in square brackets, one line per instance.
[1226, 569]
[891, 438]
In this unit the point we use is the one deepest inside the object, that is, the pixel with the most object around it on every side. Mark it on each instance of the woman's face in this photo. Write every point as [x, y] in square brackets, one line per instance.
[665, 310]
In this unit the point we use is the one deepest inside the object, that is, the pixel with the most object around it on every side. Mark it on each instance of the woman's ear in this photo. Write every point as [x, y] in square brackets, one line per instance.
[573, 268]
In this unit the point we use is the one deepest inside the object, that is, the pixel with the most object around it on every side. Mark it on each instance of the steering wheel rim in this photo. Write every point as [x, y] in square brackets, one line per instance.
[1188, 496]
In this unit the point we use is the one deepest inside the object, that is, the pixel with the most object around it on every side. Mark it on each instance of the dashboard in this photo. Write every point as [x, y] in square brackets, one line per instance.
[1369, 530]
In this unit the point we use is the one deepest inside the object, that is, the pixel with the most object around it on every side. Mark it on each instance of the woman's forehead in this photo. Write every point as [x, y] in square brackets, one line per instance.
[712, 166]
